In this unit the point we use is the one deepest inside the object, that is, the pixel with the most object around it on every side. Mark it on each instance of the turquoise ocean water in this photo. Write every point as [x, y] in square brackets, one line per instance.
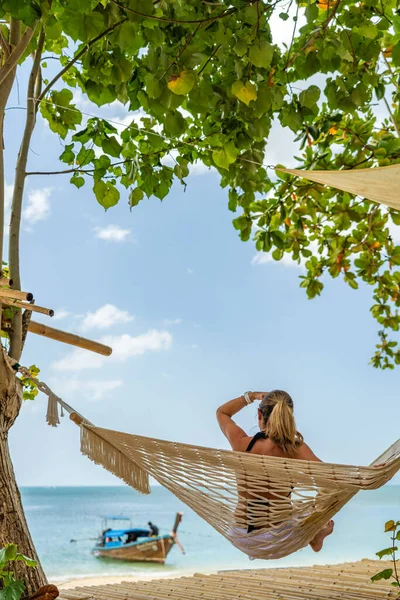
[57, 515]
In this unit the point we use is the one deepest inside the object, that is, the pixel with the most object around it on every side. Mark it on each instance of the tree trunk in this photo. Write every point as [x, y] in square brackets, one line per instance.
[13, 526]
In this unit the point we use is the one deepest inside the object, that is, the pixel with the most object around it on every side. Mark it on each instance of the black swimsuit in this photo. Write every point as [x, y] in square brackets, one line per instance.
[260, 435]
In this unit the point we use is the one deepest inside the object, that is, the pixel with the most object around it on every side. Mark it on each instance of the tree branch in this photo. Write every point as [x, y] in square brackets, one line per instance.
[392, 117]
[5, 89]
[78, 56]
[4, 45]
[19, 184]
[322, 30]
[221, 15]
[191, 36]
[16, 53]
[89, 171]
[209, 59]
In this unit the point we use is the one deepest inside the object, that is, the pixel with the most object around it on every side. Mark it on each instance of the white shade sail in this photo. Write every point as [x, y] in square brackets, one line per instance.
[381, 184]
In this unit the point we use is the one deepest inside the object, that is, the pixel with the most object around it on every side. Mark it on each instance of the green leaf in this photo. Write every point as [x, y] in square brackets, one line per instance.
[284, 16]
[233, 200]
[386, 552]
[111, 146]
[396, 54]
[369, 30]
[135, 196]
[311, 12]
[395, 256]
[13, 591]
[106, 194]
[310, 96]
[390, 526]
[153, 87]
[9, 552]
[174, 123]
[250, 15]
[182, 84]
[83, 27]
[28, 561]
[261, 54]
[395, 216]
[226, 156]
[240, 48]
[77, 180]
[68, 156]
[290, 117]
[385, 574]
[245, 92]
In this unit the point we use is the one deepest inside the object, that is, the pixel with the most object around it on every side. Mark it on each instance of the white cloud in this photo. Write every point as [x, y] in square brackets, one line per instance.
[79, 359]
[190, 271]
[61, 313]
[168, 322]
[197, 168]
[106, 316]
[124, 347]
[263, 258]
[113, 233]
[127, 346]
[38, 206]
[93, 390]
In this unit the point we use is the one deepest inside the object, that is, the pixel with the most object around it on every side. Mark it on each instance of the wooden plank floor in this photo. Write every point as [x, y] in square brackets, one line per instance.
[347, 581]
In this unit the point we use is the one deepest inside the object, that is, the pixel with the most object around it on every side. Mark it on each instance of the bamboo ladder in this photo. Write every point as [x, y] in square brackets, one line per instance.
[25, 301]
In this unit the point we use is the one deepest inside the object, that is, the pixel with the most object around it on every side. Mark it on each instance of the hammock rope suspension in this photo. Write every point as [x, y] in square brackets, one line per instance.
[228, 489]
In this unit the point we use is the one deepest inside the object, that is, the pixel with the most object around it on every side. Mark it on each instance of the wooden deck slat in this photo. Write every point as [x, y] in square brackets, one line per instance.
[348, 581]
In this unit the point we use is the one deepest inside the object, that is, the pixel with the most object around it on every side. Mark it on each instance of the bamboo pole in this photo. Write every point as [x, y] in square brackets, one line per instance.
[69, 338]
[33, 307]
[16, 294]
[76, 418]
[4, 280]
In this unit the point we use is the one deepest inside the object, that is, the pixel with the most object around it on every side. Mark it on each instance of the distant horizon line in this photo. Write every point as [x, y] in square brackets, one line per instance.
[21, 487]
[154, 484]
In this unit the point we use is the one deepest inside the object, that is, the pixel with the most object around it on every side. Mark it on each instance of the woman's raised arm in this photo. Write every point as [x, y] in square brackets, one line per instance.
[235, 434]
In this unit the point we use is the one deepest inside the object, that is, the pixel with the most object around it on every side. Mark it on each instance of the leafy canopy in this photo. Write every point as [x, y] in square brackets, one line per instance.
[208, 80]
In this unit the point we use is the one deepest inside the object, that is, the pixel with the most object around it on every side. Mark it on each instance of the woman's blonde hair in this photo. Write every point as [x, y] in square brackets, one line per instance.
[279, 425]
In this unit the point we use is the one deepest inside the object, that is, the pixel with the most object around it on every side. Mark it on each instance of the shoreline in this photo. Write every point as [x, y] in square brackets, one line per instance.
[95, 580]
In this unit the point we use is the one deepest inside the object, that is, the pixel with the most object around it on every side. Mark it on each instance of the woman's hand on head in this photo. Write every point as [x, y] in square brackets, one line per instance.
[257, 395]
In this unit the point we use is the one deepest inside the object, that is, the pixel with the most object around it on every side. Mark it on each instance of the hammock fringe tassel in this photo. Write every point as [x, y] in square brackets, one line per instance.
[101, 452]
[52, 411]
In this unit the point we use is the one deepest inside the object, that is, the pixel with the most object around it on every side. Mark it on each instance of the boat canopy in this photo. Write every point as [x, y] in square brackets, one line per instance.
[120, 532]
[116, 518]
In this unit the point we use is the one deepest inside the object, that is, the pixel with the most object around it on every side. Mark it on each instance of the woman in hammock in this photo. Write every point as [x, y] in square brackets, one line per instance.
[277, 437]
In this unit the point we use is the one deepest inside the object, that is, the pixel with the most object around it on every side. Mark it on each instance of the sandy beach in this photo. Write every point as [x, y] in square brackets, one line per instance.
[113, 579]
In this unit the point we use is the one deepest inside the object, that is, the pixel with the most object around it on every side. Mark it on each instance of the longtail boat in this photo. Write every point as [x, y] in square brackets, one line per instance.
[134, 544]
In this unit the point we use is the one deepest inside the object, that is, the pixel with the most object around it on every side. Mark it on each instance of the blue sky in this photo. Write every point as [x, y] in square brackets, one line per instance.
[194, 318]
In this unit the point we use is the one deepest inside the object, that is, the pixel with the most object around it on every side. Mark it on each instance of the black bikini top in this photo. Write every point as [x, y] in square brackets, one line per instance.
[259, 436]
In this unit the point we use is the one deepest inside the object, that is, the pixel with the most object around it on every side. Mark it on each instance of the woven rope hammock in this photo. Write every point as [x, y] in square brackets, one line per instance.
[227, 489]
[380, 184]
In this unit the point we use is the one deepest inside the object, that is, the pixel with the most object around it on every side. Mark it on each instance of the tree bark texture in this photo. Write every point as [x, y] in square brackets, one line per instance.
[13, 525]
